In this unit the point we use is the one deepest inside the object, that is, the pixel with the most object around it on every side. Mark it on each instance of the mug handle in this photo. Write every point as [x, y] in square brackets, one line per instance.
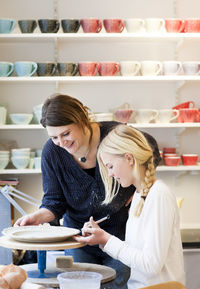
[138, 67]
[179, 67]
[97, 67]
[11, 68]
[117, 68]
[57, 26]
[192, 103]
[34, 24]
[159, 70]
[54, 69]
[176, 114]
[155, 114]
[99, 26]
[34, 68]
[122, 25]
[182, 27]
[162, 23]
[13, 24]
[75, 69]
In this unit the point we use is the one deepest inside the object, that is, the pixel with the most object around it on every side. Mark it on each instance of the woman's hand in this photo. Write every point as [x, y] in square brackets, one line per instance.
[92, 234]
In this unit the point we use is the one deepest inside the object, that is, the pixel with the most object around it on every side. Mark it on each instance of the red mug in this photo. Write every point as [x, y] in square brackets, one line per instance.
[91, 25]
[113, 25]
[198, 116]
[187, 104]
[88, 68]
[189, 159]
[192, 25]
[187, 114]
[174, 25]
[172, 161]
[109, 68]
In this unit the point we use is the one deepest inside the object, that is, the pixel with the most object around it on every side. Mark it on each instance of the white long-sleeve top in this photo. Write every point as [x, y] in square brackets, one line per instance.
[152, 247]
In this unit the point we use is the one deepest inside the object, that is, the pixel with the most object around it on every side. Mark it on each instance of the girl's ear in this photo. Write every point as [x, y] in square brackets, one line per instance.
[130, 159]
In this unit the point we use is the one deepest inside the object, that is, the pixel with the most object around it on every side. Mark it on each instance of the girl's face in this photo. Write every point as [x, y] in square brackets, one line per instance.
[120, 168]
[69, 137]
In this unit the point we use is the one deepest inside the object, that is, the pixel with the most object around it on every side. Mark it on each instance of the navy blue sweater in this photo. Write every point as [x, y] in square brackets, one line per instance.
[71, 193]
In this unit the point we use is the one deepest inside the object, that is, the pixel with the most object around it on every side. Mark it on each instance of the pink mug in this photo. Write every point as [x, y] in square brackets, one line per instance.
[187, 104]
[88, 68]
[91, 25]
[109, 68]
[187, 114]
[192, 25]
[113, 25]
[198, 116]
[174, 25]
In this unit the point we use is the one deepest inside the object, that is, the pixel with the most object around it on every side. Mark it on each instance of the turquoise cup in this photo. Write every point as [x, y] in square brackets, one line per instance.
[6, 68]
[7, 25]
[25, 68]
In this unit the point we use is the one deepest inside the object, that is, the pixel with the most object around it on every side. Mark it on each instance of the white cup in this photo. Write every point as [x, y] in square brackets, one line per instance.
[167, 115]
[191, 67]
[171, 67]
[146, 115]
[37, 163]
[3, 113]
[155, 25]
[135, 25]
[130, 68]
[151, 68]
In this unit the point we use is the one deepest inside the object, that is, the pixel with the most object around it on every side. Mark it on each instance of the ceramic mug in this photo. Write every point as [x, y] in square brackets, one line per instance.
[154, 25]
[25, 68]
[6, 68]
[134, 25]
[187, 114]
[151, 68]
[27, 26]
[174, 25]
[146, 115]
[130, 68]
[187, 104]
[88, 68]
[109, 68]
[48, 25]
[192, 25]
[46, 68]
[67, 69]
[3, 113]
[7, 25]
[167, 115]
[91, 25]
[191, 67]
[70, 25]
[172, 67]
[113, 25]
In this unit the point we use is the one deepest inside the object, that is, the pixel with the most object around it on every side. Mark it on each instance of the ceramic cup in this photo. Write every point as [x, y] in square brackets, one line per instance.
[153, 25]
[88, 68]
[27, 26]
[187, 114]
[109, 68]
[25, 68]
[70, 25]
[151, 68]
[191, 67]
[167, 115]
[67, 69]
[79, 279]
[48, 25]
[192, 25]
[6, 68]
[189, 159]
[91, 25]
[187, 104]
[123, 115]
[37, 162]
[134, 25]
[113, 25]
[174, 25]
[130, 68]
[146, 115]
[46, 68]
[7, 25]
[172, 67]
[3, 114]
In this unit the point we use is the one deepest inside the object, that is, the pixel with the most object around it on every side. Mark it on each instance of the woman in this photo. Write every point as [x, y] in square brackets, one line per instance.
[73, 188]
[152, 247]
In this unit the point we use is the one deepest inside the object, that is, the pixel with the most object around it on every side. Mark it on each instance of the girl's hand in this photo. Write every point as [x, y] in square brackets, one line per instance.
[92, 234]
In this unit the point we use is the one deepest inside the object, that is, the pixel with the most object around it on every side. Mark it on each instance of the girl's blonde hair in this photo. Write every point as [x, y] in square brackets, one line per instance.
[121, 140]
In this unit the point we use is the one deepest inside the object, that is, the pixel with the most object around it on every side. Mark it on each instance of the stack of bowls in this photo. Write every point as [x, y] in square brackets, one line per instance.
[20, 157]
[4, 159]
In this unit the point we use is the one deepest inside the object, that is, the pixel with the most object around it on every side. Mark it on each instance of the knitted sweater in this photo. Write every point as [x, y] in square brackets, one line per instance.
[71, 193]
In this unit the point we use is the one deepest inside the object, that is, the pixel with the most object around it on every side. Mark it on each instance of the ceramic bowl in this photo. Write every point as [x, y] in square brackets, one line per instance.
[20, 162]
[169, 150]
[172, 161]
[104, 116]
[21, 118]
[4, 162]
[189, 159]
[4, 153]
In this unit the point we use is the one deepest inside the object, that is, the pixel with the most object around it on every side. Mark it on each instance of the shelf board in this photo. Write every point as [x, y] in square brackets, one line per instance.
[20, 171]
[18, 126]
[72, 79]
[18, 37]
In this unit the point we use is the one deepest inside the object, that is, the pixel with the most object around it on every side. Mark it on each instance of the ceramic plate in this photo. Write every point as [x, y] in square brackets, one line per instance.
[40, 234]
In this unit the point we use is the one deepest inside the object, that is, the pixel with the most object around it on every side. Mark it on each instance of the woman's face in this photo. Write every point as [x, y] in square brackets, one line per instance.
[69, 137]
[120, 168]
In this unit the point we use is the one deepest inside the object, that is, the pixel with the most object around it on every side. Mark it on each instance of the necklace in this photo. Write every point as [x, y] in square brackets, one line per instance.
[84, 158]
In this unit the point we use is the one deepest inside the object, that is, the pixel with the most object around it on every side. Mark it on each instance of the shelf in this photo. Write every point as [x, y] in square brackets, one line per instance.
[20, 171]
[98, 36]
[72, 79]
[17, 126]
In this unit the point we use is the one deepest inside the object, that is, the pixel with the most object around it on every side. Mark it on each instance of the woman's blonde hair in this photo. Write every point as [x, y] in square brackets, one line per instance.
[121, 140]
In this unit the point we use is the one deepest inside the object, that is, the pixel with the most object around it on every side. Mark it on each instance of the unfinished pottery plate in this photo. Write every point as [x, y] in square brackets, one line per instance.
[40, 234]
